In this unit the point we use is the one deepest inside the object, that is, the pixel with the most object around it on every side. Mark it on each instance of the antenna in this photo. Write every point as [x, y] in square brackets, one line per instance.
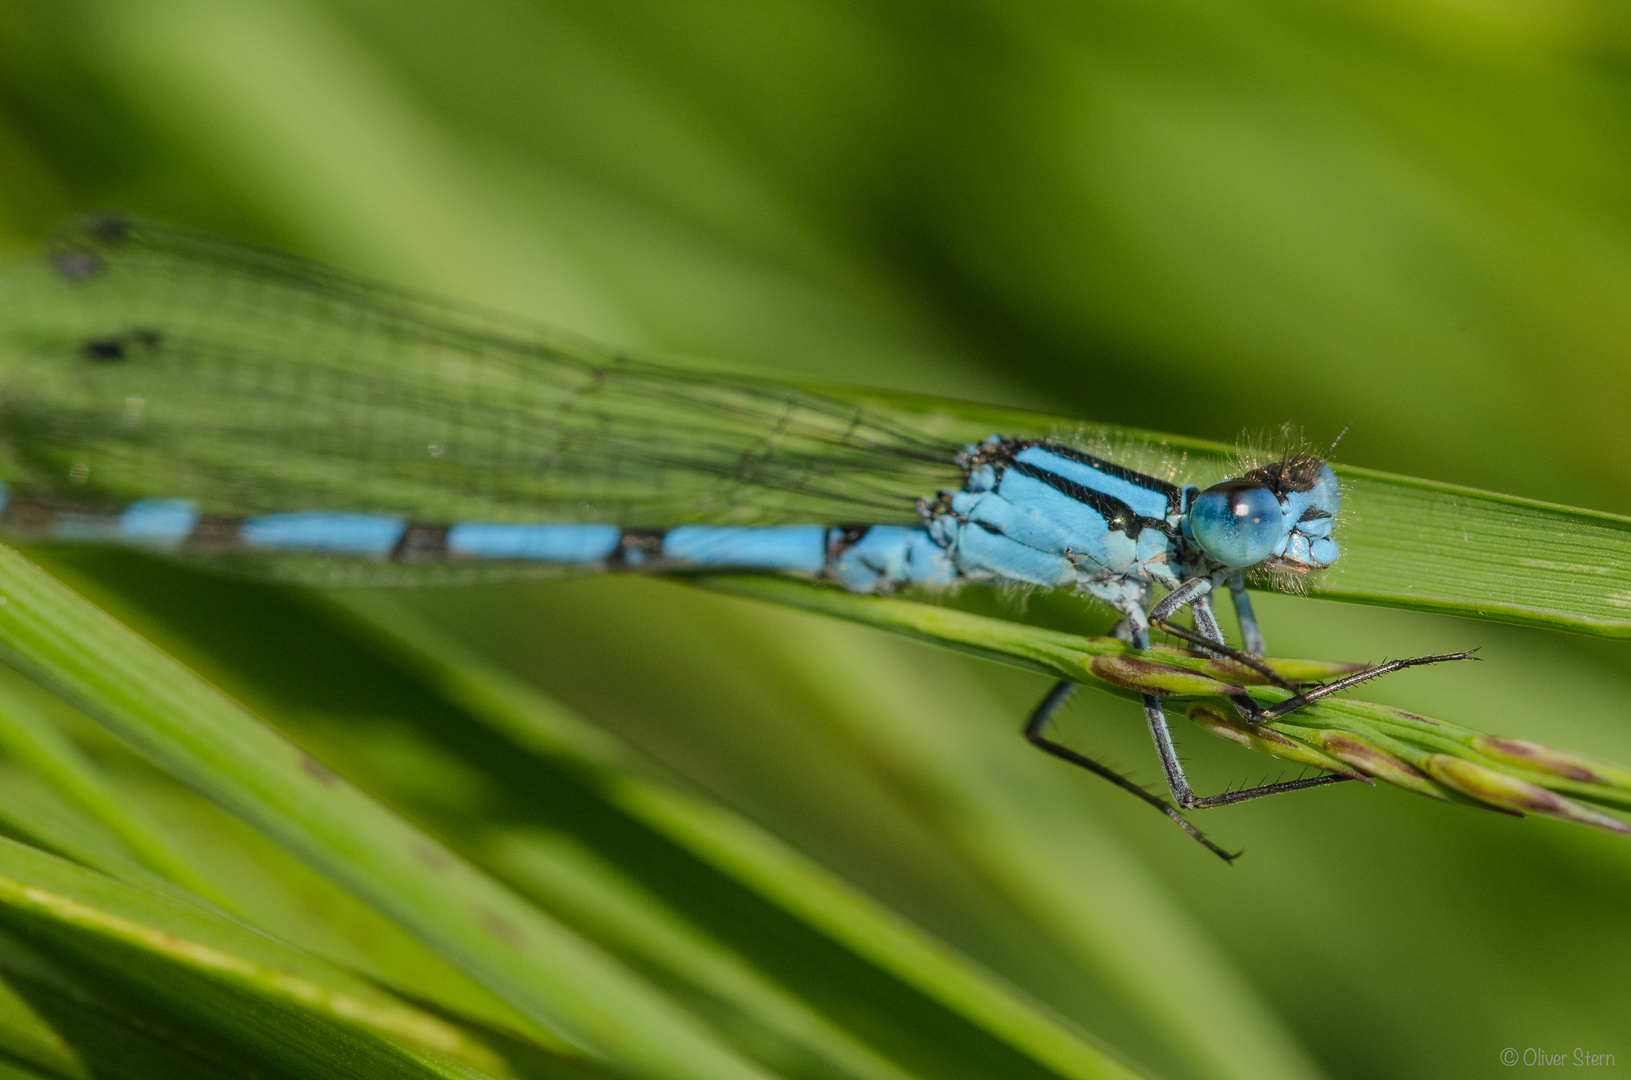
[1327, 455]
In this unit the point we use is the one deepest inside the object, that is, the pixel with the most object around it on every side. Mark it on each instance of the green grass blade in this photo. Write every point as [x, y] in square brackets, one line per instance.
[242, 985]
[1438, 547]
[241, 871]
[29, 737]
[823, 900]
[197, 734]
[17, 1072]
[1051, 652]
[739, 848]
[1354, 737]
[1406, 542]
[25, 1033]
[936, 733]
[570, 878]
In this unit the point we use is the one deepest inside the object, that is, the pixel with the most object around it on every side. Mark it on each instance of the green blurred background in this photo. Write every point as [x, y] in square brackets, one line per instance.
[1205, 218]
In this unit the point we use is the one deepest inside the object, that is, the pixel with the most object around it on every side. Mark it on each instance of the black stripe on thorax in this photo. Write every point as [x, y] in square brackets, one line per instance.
[1172, 492]
[1116, 513]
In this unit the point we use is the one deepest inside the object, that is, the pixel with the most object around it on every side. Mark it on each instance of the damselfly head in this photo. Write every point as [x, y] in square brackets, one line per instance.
[1279, 515]
[1310, 498]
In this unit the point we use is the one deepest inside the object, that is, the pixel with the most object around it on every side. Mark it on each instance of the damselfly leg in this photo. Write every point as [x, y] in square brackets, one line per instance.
[1034, 733]
[1206, 637]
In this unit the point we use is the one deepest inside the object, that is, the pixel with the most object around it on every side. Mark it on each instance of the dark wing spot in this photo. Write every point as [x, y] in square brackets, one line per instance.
[105, 349]
[120, 348]
[109, 227]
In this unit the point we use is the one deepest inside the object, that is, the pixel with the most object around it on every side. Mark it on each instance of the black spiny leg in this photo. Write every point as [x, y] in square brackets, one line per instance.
[1228, 652]
[1183, 796]
[1305, 694]
[1038, 723]
[1335, 686]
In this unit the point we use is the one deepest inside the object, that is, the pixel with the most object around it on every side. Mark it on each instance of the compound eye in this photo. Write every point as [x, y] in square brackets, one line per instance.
[1237, 524]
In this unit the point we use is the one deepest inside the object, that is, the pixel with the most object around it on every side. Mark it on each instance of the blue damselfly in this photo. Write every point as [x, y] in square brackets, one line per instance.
[266, 415]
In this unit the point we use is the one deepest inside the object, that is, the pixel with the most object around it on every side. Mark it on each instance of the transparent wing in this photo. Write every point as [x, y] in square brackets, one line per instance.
[143, 361]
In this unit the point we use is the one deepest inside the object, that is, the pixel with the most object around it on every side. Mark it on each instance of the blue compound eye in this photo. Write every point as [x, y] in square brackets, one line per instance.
[1236, 523]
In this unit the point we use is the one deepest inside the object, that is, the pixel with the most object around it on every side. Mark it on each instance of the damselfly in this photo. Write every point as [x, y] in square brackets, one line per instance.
[268, 415]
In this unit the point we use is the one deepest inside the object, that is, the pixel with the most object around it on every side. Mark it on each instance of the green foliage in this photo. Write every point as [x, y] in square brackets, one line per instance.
[1166, 216]
[1354, 738]
[567, 997]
